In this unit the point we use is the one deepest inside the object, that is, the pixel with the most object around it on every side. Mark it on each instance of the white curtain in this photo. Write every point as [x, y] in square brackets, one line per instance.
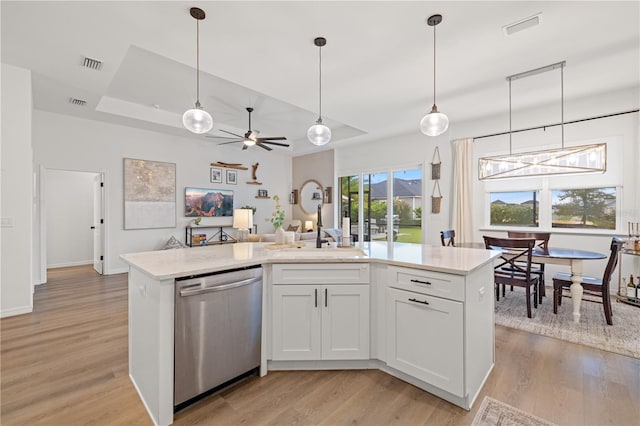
[462, 213]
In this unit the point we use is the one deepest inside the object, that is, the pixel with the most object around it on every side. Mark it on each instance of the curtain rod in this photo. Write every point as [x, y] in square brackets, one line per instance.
[557, 124]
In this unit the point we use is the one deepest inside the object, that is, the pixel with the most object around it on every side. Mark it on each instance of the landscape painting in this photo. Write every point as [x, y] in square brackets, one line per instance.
[208, 202]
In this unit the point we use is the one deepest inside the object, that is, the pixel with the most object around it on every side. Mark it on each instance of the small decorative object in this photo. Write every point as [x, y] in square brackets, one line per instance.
[316, 196]
[293, 197]
[232, 177]
[436, 199]
[328, 195]
[254, 175]
[197, 220]
[263, 193]
[308, 225]
[236, 166]
[216, 175]
[435, 167]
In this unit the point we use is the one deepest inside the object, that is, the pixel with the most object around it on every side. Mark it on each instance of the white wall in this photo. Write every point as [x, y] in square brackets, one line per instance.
[406, 152]
[620, 132]
[69, 143]
[17, 183]
[69, 217]
[319, 167]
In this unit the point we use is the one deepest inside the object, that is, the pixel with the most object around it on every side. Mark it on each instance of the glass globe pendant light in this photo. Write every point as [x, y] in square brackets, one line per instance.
[197, 120]
[435, 123]
[319, 134]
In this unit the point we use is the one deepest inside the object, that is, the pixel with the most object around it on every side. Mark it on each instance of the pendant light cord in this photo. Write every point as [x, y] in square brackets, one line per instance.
[509, 116]
[434, 64]
[198, 63]
[320, 83]
[562, 101]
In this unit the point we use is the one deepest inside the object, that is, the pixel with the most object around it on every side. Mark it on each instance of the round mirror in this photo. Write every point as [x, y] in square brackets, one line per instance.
[310, 196]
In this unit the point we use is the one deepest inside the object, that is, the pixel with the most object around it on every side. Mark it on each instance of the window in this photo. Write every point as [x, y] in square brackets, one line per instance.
[405, 201]
[585, 208]
[515, 208]
[407, 205]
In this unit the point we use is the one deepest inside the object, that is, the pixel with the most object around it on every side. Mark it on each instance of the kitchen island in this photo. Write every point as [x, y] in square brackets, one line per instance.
[421, 313]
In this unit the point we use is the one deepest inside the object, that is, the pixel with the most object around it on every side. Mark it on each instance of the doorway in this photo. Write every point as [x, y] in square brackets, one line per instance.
[71, 219]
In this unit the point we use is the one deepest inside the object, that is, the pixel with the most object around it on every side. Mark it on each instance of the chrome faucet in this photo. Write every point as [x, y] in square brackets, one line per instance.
[319, 240]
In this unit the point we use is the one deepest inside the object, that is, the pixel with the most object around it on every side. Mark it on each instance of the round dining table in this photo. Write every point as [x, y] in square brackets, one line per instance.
[573, 258]
[561, 256]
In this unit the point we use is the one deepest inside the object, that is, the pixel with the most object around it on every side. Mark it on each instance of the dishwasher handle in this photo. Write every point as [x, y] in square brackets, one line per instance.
[199, 290]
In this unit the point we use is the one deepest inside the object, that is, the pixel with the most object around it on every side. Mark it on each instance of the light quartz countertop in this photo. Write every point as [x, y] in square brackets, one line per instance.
[170, 264]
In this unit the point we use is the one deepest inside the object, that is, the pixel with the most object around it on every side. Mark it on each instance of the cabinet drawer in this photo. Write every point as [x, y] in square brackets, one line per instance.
[427, 282]
[321, 273]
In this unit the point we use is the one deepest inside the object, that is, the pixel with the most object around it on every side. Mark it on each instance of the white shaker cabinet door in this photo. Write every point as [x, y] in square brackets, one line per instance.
[425, 338]
[296, 322]
[345, 321]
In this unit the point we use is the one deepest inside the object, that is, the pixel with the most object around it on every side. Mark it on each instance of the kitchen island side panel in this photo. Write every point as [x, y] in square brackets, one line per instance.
[151, 311]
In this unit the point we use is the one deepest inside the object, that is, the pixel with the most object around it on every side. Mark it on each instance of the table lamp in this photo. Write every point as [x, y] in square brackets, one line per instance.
[308, 225]
[243, 221]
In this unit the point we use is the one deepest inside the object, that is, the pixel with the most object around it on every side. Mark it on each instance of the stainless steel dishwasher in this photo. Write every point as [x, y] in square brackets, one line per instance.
[218, 320]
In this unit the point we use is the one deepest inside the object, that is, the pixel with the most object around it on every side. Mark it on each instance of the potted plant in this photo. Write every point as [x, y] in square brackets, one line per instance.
[277, 220]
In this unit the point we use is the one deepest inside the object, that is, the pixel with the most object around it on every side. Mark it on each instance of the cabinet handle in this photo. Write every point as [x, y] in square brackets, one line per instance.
[325, 297]
[316, 291]
[419, 301]
[421, 282]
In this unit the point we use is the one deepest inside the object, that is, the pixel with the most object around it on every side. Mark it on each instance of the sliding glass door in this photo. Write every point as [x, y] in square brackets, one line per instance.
[386, 210]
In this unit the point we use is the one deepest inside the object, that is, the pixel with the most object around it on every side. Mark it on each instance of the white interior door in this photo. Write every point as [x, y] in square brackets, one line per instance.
[98, 223]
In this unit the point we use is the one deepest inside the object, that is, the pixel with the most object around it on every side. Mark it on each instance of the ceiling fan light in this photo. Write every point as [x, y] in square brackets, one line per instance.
[249, 142]
[435, 123]
[197, 120]
[319, 134]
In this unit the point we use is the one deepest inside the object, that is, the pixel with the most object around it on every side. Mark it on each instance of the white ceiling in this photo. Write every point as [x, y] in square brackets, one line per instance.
[377, 65]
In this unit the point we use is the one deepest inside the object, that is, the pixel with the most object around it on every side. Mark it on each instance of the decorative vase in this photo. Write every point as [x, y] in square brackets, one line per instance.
[280, 235]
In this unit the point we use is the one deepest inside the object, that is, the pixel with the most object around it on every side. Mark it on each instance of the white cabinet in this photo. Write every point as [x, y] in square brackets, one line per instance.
[425, 338]
[440, 329]
[320, 322]
[296, 322]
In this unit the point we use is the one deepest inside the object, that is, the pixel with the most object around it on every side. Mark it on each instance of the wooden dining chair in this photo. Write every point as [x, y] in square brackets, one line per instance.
[448, 237]
[592, 286]
[515, 254]
[542, 241]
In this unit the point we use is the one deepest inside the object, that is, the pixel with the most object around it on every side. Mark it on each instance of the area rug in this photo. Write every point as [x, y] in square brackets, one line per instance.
[495, 413]
[623, 337]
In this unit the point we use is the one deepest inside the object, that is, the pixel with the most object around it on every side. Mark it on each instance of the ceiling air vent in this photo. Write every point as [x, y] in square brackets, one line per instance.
[522, 24]
[91, 63]
[76, 101]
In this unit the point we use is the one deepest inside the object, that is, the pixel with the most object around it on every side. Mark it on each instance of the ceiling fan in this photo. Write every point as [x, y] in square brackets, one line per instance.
[250, 138]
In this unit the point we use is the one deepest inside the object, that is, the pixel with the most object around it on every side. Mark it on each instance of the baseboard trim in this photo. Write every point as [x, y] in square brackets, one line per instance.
[16, 311]
[67, 264]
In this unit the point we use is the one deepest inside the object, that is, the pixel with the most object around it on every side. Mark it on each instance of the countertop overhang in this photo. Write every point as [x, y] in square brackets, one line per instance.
[176, 263]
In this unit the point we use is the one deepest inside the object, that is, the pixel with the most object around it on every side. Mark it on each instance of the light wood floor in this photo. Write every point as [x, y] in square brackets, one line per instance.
[66, 364]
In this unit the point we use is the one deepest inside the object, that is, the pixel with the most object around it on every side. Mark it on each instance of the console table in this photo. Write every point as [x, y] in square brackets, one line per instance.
[223, 237]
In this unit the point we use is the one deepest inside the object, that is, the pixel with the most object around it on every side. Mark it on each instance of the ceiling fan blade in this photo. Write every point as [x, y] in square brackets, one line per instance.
[225, 143]
[220, 137]
[275, 143]
[277, 138]
[264, 146]
[238, 136]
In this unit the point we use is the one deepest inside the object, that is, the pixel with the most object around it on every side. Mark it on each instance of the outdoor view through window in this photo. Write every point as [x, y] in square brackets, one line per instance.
[406, 196]
[584, 208]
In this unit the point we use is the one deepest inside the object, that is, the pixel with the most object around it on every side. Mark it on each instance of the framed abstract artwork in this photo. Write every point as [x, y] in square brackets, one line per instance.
[149, 194]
